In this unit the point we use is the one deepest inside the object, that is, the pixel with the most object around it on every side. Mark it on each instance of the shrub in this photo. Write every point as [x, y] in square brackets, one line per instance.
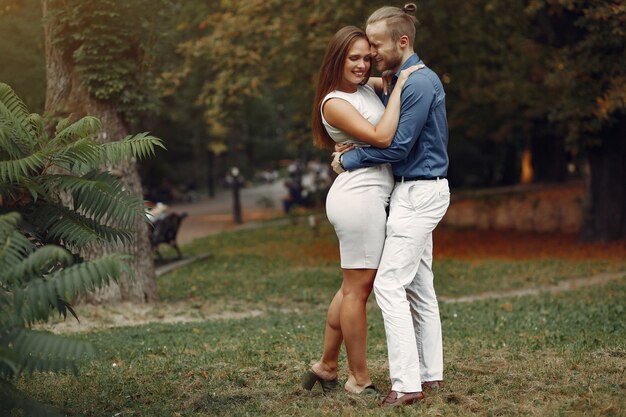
[54, 201]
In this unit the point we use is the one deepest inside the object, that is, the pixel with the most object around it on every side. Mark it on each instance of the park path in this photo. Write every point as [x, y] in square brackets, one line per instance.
[129, 314]
[210, 215]
[561, 286]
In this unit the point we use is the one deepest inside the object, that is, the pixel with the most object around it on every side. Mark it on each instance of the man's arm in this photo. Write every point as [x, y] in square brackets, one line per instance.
[417, 97]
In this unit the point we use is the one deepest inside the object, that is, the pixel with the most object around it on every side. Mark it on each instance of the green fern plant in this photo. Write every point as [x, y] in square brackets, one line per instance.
[54, 200]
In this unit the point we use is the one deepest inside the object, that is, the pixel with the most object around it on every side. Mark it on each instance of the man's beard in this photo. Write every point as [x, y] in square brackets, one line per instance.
[392, 62]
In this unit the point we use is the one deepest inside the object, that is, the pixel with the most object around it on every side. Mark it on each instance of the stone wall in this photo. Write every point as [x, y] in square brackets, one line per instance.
[539, 208]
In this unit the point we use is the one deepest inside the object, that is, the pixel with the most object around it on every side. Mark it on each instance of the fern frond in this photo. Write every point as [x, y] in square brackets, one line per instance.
[83, 151]
[9, 222]
[88, 276]
[36, 123]
[99, 196]
[33, 186]
[39, 351]
[12, 251]
[84, 128]
[12, 102]
[36, 277]
[5, 306]
[9, 147]
[13, 169]
[63, 123]
[70, 227]
[63, 307]
[12, 400]
[42, 294]
[13, 248]
[8, 366]
[37, 263]
[139, 146]
[13, 245]
[13, 112]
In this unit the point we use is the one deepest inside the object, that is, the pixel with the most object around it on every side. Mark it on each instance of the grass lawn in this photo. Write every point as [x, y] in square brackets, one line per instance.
[542, 355]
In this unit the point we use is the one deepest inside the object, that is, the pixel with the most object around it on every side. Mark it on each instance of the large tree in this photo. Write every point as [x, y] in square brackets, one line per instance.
[98, 63]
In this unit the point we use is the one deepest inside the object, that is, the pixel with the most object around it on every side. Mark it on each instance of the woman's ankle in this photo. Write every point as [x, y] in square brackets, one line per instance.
[324, 370]
[356, 388]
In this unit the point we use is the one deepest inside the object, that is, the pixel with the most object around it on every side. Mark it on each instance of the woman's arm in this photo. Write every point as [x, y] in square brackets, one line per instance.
[342, 115]
[376, 83]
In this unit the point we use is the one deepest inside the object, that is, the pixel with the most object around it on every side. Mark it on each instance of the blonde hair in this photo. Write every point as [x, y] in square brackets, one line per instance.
[399, 21]
[331, 75]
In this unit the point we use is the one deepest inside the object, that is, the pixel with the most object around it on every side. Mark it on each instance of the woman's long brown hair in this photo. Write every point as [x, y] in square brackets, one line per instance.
[331, 75]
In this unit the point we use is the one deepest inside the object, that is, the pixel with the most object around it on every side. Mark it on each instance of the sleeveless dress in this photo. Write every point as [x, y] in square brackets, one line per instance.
[357, 201]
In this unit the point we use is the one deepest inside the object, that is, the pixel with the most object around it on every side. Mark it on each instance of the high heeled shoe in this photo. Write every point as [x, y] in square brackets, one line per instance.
[310, 378]
[370, 390]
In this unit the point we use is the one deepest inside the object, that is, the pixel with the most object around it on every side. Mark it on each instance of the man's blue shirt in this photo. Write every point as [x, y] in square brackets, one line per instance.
[419, 147]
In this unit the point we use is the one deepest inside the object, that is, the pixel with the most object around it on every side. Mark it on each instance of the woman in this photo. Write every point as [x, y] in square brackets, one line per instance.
[347, 111]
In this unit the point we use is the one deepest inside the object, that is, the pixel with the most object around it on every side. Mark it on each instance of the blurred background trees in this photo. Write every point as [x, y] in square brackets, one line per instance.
[21, 49]
[536, 89]
[586, 65]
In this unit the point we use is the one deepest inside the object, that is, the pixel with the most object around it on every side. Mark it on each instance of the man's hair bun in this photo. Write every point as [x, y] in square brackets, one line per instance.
[409, 8]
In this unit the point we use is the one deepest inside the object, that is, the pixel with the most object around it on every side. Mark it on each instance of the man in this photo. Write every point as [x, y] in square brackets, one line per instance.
[404, 282]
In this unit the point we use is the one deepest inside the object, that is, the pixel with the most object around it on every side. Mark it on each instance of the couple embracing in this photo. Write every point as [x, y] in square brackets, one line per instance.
[390, 150]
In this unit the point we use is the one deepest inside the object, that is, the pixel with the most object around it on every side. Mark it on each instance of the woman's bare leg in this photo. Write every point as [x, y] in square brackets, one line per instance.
[326, 367]
[356, 288]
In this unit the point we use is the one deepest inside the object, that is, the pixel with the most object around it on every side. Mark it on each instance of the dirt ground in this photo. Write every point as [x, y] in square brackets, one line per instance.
[511, 244]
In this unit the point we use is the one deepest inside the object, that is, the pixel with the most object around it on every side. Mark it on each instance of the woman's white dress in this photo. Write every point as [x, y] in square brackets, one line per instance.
[357, 201]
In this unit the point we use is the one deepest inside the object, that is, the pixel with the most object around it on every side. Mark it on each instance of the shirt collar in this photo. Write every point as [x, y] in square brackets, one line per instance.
[412, 60]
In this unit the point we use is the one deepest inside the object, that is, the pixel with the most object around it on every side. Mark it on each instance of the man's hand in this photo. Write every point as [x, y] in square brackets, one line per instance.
[404, 75]
[336, 164]
[343, 147]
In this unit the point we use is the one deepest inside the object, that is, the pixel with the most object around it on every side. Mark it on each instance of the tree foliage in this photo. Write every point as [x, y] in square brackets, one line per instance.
[113, 45]
[536, 72]
[36, 168]
[252, 47]
[53, 202]
[586, 64]
[493, 75]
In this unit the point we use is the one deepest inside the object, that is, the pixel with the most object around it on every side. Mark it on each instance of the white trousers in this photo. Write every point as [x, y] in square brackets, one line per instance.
[404, 284]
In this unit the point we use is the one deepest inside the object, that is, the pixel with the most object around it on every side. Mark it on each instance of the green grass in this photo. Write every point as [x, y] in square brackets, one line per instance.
[284, 264]
[456, 278]
[544, 355]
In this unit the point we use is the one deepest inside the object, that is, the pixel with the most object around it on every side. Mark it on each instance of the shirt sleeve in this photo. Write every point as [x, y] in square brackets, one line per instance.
[416, 99]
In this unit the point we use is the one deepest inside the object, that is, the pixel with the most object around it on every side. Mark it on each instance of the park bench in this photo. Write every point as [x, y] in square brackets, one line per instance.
[164, 230]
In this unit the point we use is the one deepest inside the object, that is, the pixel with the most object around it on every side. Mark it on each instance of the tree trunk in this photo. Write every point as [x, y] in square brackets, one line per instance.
[604, 217]
[548, 158]
[65, 95]
[511, 169]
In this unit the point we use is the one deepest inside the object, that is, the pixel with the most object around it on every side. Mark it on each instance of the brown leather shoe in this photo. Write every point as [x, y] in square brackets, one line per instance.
[392, 399]
[432, 385]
